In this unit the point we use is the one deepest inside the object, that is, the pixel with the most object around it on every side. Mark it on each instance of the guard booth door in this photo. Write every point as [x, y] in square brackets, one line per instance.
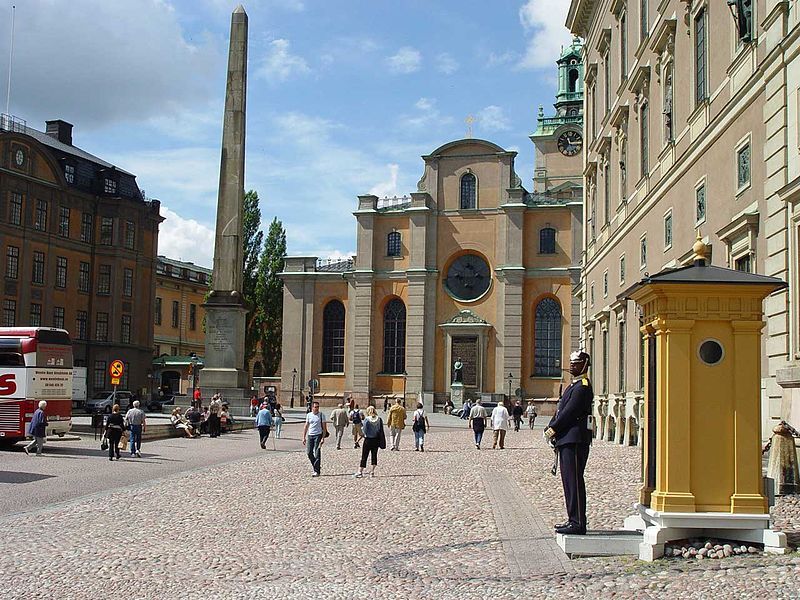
[649, 445]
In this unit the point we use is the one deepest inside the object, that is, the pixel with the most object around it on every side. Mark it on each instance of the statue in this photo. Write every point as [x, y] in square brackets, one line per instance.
[458, 371]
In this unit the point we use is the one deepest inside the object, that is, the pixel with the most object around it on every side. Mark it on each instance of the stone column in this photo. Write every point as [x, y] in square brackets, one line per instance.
[510, 277]
[298, 326]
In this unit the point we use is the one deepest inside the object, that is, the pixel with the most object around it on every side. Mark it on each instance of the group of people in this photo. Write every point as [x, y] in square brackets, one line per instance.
[134, 423]
[500, 420]
[368, 432]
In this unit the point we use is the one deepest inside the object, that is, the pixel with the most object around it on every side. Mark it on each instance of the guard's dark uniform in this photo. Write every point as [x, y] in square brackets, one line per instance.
[572, 439]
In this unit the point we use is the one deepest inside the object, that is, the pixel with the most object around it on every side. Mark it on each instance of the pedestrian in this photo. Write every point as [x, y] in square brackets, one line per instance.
[314, 433]
[114, 428]
[137, 423]
[374, 438]
[477, 420]
[214, 412]
[225, 419]
[253, 405]
[357, 418]
[465, 410]
[385, 403]
[569, 432]
[516, 412]
[197, 399]
[531, 412]
[500, 423]
[37, 429]
[351, 404]
[340, 421]
[277, 418]
[420, 426]
[263, 424]
[397, 422]
[448, 406]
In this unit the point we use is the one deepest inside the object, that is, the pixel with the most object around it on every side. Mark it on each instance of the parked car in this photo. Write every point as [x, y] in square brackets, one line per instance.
[102, 402]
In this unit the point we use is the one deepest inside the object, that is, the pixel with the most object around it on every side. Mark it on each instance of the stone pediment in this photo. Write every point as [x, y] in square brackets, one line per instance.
[466, 317]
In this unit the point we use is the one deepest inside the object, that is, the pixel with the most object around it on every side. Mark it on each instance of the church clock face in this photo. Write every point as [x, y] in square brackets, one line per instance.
[570, 143]
[468, 277]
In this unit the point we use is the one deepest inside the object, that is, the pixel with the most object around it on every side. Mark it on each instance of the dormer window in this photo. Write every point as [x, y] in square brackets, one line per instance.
[69, 173]
[109, 186]
[393, 244]
[469, 192]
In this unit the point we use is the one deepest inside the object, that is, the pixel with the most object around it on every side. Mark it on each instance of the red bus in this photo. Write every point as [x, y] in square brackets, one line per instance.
[35, 364]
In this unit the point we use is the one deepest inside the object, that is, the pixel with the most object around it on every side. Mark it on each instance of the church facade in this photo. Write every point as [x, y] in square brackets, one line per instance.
[471, 266]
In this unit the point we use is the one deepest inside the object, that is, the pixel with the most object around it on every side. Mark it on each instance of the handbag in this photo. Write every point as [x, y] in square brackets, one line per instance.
[381, 435]
[104, 443]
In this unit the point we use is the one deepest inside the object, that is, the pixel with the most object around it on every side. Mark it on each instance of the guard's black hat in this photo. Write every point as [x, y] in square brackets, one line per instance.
[579, 357]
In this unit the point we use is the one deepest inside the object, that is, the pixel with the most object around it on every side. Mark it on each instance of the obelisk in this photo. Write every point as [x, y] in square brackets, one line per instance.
[225, 309]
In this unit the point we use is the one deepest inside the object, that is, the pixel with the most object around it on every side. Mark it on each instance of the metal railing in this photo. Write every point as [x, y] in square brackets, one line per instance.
[12, 123]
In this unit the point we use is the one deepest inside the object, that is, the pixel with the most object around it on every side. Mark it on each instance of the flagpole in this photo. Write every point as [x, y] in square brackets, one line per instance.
[10, 60]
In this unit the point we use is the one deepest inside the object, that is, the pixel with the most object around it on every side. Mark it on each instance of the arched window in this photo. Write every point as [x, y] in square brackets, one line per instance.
[573, 80]
[257, 370]
[394, 337]
[333, 337]
[469, 191]
[393, 244]
[547, 241]
[547, 339]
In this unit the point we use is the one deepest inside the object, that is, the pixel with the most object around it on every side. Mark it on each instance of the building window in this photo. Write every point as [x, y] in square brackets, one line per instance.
[106, 231]
[127, 282]
[15, 209]
[605, 361]
[156, 350]
[36, 314]
[605, 284]
[591, 295]
[394, 337]
[84, 278]
[744, 20]
[644, 16]
[125, 330]
[607, 80]
[333, 337]
[700, 57]
[12, 262]
[175, 313]
[82, 324]
[700, 203]
[61, 272]
[109, 186]
[642, 342]
[644, 140]
[668, 230]
[643, 252]
[173, 350]
[104, 280]
[192, 317]
[547, 240]
[593, 110]
[9, 313]
[158, 311]
[606, 194]
[130, 235]
[40, 217]
[101, 327]
[623, 47]
[58, 317]
[547, 339]
[622, 269]
[621, 357]
[99, 381]
[744, 264]
[69, 173]
[469, 191]
[63, 221]
[37, 275]
[126, 372]
[87, 223]
[743, 167]
[393, 244]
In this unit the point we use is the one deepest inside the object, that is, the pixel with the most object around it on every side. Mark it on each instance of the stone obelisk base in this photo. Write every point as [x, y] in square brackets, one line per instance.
[225, 332]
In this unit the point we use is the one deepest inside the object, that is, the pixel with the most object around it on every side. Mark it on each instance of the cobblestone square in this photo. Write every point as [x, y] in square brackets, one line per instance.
[452, 522]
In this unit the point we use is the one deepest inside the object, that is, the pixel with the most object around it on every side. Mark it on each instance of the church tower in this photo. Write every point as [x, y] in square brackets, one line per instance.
[559, 138]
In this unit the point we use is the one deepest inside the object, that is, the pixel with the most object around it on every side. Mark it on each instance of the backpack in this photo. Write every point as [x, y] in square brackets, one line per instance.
[356, 417]
[419, 422]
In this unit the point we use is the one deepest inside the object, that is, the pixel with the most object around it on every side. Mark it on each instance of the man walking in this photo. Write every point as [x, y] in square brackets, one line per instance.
[314, 433]
[477, 420]
[135, 418]
[38, 429]
[500, 419]
[396, 422]
[516, 412]
[571, 435]
[340, 421]
[263, 423]
[531, 412]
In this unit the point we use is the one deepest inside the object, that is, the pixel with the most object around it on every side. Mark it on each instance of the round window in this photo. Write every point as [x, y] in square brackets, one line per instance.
[711, 352]
[468, 277]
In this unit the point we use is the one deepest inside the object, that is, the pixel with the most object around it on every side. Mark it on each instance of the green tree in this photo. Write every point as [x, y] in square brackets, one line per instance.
[252, 241]
[269, 296]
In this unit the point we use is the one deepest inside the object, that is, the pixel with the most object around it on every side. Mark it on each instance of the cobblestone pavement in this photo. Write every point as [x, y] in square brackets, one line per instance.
[453, 522]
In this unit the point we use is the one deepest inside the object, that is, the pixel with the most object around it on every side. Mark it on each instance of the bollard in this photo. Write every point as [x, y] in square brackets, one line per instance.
[782, 465]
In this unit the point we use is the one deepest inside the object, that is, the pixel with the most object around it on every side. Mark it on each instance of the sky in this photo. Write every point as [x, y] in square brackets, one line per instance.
[343, 97]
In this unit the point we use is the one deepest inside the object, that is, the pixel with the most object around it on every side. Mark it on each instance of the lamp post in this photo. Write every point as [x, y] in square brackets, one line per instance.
[405, 379]
[510, 378]
[194, 377]
[294, 377]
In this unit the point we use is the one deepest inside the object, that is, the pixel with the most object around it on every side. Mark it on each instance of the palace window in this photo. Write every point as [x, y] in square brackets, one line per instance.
[81, 324]
[40, 218]
[130, 235]
[333, 337]
[547, 339]
[101, 327]
[621, 356]
[12, 262]
[469, 192]
[125, 331]
[37, 274]
[668, 230]
[700, 203]
[9, 313]
[644, 132]
[36, 314]
[622, 269]
[127, 282]
[87, 223]
[605, 361]
[61, 272]
[175, 313]
[607, 80]
[394, 337]
[700, 57]
[644, 16]
[106, 231]
[623, 47]
[104, 280]
[743, 167]
[109, 186]
[192, 317]
[643, 252]
[58, 317]
[63, 221]
[99, 380]
[744, 264]
[69, 173]
[393, 244]
[158, 311]
[606, 194]
[605, 284]
[547, 241]
[83, 278]
[15, 209]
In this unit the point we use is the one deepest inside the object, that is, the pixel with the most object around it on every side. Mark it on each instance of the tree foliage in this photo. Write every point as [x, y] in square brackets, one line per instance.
[269, 296]
[252, 242]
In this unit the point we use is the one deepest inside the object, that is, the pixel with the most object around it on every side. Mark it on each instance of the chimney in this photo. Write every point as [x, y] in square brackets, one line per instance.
[61, 130]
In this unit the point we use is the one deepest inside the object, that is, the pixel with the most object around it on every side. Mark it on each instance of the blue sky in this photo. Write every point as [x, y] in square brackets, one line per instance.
[343, 97]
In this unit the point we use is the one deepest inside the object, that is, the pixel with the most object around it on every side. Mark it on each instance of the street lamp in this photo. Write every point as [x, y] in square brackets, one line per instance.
[510, 378]
[194, 377]
[294, 377]
[405, 379]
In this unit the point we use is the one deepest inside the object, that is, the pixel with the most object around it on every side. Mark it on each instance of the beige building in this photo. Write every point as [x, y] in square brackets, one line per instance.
[691, 125]
[470, 266]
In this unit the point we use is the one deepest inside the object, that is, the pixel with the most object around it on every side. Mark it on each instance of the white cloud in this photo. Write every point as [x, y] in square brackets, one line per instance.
[496, 59]
[446, 64]
[427, 115]
[406, 60]
[185, 239]
[280, 63]
[388, 187]
[425, 104]
[544, 19]
[492, 118]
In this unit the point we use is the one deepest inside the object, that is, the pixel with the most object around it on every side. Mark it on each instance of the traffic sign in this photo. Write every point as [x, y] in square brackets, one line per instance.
[116, 369]
[115, 381]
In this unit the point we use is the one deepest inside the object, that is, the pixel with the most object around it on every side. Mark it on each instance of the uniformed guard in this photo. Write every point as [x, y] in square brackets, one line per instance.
[570, 431]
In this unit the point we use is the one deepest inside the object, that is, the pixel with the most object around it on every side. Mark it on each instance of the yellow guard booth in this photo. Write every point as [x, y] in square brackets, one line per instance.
[701, 467]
